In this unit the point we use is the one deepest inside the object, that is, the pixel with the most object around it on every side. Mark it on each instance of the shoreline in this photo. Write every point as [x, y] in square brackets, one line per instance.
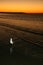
[28, 37]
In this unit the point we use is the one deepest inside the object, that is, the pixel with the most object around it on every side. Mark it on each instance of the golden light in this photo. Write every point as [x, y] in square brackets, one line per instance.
[24, 6]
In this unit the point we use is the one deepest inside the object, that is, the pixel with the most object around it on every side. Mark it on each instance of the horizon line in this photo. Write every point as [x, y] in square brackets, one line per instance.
[24, 12]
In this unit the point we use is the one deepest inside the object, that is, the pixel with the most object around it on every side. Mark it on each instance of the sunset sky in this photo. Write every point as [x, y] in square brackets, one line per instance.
[28, 6]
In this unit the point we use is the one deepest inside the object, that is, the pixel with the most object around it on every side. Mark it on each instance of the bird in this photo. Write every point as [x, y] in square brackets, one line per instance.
[11, 46]
[11, 41]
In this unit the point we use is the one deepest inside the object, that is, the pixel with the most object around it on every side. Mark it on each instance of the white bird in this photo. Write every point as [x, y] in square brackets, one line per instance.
[11, 41]
[11, 48]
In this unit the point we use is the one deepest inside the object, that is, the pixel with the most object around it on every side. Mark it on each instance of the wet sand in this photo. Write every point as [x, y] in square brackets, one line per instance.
[28, 40]
[26, 50]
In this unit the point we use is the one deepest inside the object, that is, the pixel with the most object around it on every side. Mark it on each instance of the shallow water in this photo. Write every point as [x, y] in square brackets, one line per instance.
[23, 52]
[21, 55]
[28, 47]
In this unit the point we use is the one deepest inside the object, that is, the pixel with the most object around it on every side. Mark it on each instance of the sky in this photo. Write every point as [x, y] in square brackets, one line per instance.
[28, 6]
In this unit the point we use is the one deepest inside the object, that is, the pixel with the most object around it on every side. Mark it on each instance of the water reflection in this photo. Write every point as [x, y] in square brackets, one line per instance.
[11, 51]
